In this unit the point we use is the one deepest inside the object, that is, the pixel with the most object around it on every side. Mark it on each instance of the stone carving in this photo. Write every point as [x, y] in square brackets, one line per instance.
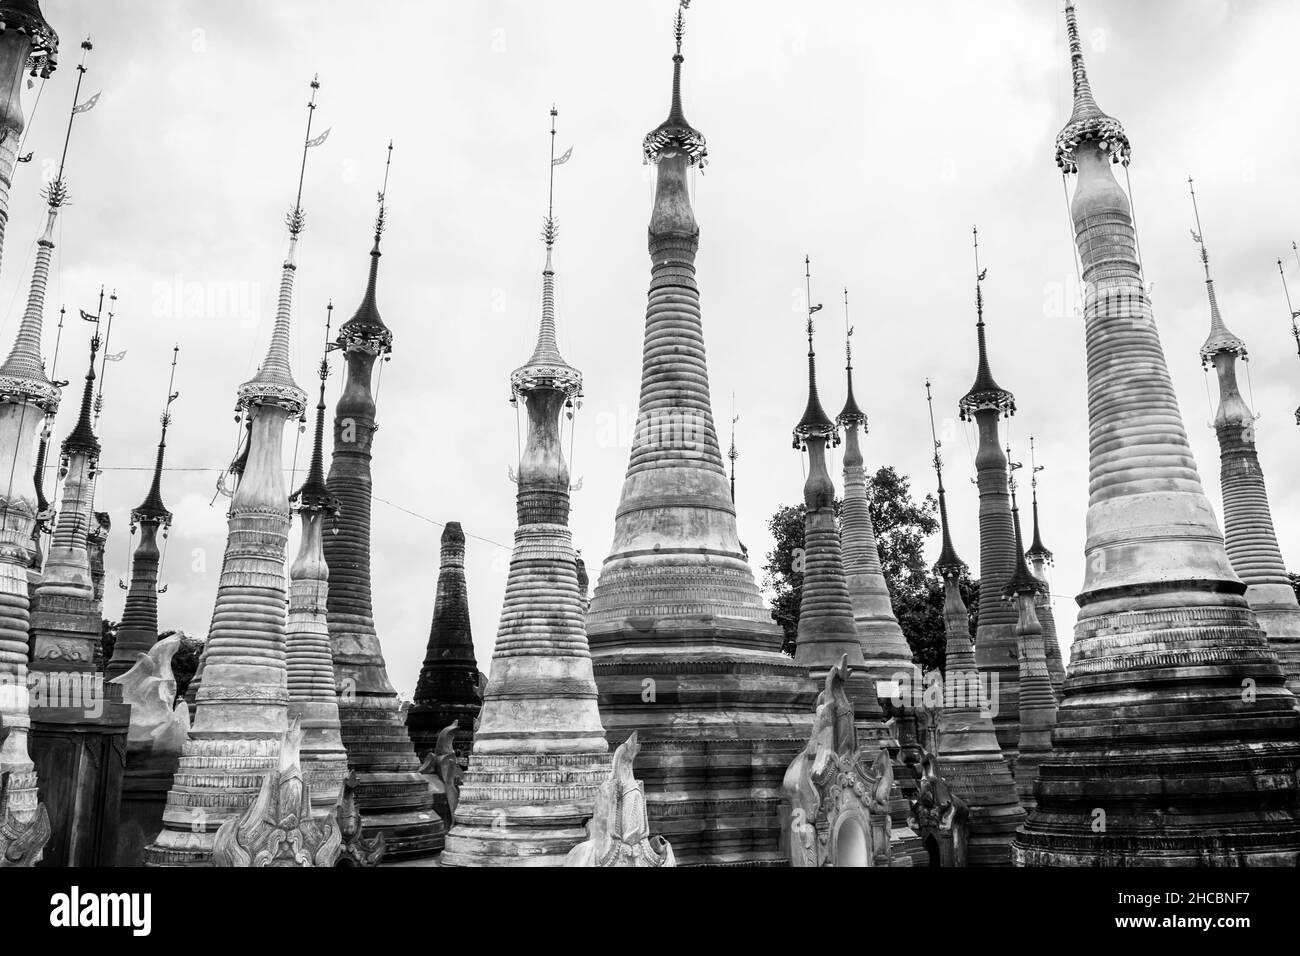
[838, 807]
[22, 835]
[158, 722]
[618, 833]
[442, 766]
[939, 816]
[278, 828]
[357, 850]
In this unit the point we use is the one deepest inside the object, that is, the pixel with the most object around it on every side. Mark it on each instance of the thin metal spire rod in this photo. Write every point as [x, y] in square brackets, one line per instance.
[1034, 469]
[934, 438]
[306, 143]
[58, 338]
[979, 278]
[812, 309]
[848, 333]
[381, 219]
[1199, 235]
[171, 395]
[1295, 330]
[550, 196]
[86, 47]
[103, 359]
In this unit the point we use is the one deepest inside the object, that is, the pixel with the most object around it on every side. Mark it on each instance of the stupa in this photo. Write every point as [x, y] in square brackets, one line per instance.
[885, 649]
[973, 763]
[27, 399]
[995, 632]
[1247, 518]
[392, 795]
[1037, 701]
[309, 665]
[1040, 559]
[447, 690]
[685, 650]
[138, 630]
[1177, 742]
[242, 712]
[539, 756]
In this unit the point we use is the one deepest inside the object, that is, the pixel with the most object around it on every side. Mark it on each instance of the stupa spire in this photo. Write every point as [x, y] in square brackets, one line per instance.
[309, 665]
[138, 631]
[815, 422]
[1087, 121]
[391, 794]
[884, 648]
[972, 760]
[1248, 530]
[1040, 559]
[243, 702]
[675, 133]
[1163, 621]
[995, 638]
[539, 753]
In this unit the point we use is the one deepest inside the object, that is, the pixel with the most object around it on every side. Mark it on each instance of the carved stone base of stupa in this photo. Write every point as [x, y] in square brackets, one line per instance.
[391, 792]
[718, 726]
[524, 809]
[1176, 744]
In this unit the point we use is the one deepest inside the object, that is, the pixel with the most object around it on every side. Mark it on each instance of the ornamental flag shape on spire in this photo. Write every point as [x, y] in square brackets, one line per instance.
[1248, 529]
[242, 704]
[1155, 736]
[539, 754]
[676, 614]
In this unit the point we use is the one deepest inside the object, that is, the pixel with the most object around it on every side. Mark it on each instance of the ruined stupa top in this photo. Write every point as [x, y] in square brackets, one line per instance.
[1087, 121]
[25, 16]
[675, 133]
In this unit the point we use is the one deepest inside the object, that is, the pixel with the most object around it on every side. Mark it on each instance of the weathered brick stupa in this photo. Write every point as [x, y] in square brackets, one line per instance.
[685, 649]
[884, 647]
[79, 727]
[27, 400]
[995, 634]
[309, 664]
[1040, 559]
[1037, 702]
[1247, 518]
[539, 755]
[242, 710]
[447, 690]
[827, 634]
[972, 760]
[1177, 742]
[393, 797]
[138, 630]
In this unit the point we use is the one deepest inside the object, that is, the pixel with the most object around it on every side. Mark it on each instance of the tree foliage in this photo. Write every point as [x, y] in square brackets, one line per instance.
[902, 526]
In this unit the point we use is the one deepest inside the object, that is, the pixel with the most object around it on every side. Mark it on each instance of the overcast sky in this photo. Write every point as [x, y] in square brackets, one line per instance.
[871, 136]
